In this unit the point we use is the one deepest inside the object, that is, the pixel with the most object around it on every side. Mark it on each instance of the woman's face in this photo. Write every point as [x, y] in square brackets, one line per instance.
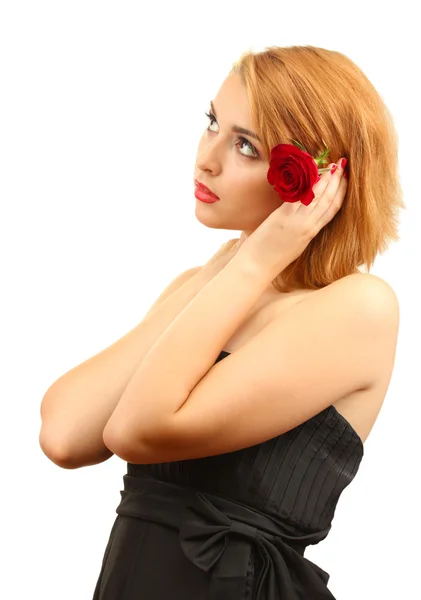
[232, 165]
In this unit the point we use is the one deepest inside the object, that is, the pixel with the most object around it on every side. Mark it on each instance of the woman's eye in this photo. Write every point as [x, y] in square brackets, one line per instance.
[240, 142]
[211, 117]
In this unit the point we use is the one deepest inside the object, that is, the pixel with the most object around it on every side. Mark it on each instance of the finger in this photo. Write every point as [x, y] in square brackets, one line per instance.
[320, 186]
[329, 193]
[334, 206]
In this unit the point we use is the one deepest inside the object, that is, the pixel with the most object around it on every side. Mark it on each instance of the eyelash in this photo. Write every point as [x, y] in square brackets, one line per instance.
[212, 117]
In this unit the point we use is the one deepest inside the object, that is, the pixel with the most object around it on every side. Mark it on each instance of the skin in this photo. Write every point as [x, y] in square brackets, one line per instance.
[223, 164]
[246, 200]
[226, 165]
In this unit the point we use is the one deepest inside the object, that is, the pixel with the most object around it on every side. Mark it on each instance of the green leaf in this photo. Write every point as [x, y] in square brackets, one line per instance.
[321, 160]
[300, 146]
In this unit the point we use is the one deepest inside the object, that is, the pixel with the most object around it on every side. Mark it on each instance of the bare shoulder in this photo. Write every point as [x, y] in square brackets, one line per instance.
[369, 298]
[373, 305]
[379, 316]
[375, 295]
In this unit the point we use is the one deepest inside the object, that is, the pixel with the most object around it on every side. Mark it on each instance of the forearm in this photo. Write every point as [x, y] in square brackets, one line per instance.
[76, 408]
[185, 352]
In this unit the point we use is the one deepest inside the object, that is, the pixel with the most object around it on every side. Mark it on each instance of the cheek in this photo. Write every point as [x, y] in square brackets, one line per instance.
[255, 199]
[250, 184]
[257, 190]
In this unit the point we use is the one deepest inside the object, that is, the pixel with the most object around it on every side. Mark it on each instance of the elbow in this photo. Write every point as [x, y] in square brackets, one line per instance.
[57, 453]
[65, 455]
[125, 447]
[51, 444]
[114, 441]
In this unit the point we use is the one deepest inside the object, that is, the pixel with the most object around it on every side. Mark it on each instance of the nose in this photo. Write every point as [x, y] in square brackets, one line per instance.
[208, 158]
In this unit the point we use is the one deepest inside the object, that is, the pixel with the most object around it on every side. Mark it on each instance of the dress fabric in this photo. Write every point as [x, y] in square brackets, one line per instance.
[233, 526]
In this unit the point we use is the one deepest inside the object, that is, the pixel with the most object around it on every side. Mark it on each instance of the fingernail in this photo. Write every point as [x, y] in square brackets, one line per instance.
[343, 163]
[334, 169]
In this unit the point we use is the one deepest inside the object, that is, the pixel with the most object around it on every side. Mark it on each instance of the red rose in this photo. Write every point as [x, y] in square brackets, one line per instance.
[293, 172]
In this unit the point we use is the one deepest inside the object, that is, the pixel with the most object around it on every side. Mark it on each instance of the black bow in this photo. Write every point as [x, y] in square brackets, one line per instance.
[212, 540]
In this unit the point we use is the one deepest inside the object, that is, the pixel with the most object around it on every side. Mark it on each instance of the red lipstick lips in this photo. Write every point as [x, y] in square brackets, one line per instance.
[203, 193]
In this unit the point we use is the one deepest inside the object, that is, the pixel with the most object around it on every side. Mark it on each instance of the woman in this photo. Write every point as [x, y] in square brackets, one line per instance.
[245, 418]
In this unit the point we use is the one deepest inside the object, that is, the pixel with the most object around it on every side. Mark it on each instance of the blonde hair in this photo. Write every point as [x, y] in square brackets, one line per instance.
[315, 95]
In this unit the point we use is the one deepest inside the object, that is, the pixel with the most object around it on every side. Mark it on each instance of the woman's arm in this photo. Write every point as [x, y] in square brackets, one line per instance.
[184, 353]
[76, 408]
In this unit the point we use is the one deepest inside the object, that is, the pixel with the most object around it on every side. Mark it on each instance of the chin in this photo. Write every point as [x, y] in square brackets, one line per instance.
[208, 220]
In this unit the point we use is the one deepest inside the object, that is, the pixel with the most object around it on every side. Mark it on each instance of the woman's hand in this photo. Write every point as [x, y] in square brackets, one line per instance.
[288, 230]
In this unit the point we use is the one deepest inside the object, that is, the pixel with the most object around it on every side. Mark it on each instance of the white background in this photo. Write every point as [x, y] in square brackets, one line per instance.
[101, 110]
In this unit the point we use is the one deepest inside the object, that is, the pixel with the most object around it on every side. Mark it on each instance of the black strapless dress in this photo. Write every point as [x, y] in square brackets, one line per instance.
[233, 526]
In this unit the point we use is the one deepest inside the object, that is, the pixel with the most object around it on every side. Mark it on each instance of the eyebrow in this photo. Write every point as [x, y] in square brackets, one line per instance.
[237, 129]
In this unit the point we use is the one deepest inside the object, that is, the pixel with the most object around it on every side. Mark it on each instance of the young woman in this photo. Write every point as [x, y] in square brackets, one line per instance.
[242, 401]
